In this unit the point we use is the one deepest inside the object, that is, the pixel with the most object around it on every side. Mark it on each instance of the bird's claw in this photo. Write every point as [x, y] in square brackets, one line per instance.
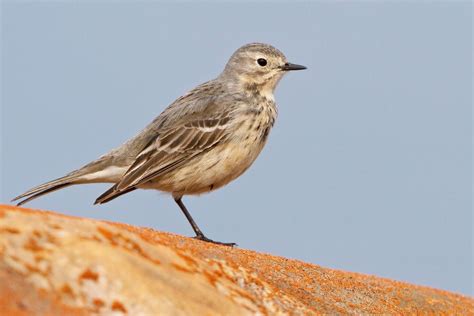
[204, 238]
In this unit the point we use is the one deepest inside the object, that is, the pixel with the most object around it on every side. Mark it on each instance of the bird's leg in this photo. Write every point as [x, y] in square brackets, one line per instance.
[199, 233]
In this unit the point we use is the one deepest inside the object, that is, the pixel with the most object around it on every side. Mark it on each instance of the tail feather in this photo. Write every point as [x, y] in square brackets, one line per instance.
[94, 172]
[47, 188]
[42, 187]
[33, 196]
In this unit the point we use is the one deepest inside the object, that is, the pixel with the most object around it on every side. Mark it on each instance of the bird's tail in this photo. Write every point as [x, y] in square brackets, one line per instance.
[46, 188]
[90, 173]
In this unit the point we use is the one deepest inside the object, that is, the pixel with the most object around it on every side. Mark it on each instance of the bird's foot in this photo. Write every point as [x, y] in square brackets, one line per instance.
[204, 238]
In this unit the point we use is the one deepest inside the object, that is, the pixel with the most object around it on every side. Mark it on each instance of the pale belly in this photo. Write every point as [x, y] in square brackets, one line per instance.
[210, 170]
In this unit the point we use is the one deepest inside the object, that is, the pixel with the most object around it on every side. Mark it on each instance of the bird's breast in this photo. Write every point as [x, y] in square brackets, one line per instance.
[257, 122]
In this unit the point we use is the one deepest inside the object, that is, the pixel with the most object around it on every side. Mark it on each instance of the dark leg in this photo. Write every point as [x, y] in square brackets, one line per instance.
[199, 234]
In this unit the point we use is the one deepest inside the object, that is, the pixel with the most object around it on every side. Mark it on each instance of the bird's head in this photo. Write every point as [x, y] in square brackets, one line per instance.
[258, 66]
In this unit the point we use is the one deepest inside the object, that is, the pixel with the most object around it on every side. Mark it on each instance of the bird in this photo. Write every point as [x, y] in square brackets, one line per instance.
[202, 141]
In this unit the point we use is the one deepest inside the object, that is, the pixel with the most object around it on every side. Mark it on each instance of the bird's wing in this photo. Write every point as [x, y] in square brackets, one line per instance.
[171, 149]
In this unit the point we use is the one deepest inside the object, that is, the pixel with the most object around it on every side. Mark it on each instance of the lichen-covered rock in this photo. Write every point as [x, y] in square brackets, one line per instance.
[52, 264]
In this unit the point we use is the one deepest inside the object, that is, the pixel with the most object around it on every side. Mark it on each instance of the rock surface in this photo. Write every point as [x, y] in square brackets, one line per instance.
[51, 264]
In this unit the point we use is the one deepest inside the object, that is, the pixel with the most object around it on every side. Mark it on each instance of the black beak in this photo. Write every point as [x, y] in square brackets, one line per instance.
[290, 66]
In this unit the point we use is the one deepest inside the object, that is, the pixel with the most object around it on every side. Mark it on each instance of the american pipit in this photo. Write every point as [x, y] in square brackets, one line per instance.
[202, 141]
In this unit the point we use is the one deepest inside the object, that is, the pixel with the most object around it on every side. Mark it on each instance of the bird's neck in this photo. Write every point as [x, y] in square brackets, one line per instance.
[262, 92]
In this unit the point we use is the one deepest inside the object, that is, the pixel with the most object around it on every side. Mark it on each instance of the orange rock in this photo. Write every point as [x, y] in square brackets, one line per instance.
[51, 264]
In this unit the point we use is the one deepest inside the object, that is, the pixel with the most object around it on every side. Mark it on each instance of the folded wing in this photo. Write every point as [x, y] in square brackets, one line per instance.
[171, 149]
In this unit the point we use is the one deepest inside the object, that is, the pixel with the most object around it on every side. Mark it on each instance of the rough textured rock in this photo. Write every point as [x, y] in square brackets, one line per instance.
[52, 264]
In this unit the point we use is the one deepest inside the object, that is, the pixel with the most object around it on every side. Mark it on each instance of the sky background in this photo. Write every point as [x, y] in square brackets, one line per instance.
[368, 168]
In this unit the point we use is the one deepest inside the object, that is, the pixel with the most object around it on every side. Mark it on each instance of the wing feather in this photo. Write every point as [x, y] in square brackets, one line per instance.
[171, 149]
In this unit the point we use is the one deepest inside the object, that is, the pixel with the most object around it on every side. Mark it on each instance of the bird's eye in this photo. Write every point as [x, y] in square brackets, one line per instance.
[262, 62]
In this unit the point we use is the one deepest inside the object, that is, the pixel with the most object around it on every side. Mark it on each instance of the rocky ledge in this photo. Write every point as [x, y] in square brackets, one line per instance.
[51, 264]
